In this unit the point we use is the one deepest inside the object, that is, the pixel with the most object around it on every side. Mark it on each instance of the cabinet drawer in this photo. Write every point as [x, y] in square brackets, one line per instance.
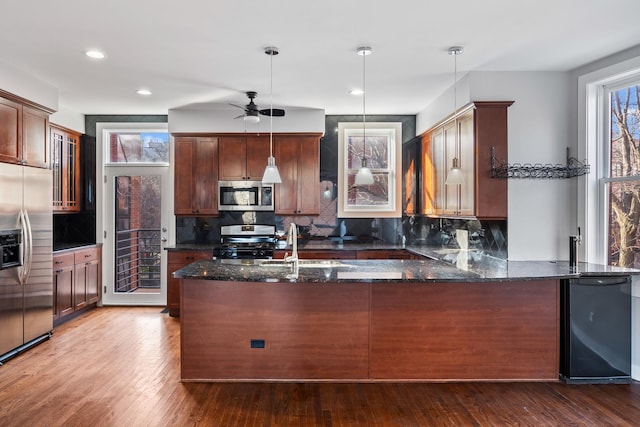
[62, 260]
[85, 255]
[187, 257]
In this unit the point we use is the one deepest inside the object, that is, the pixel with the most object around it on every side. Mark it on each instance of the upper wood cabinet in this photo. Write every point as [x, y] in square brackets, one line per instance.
[242, 157]
[65, 155]
[196, 176]
[469, 137]
[24, 134]
[298, 161]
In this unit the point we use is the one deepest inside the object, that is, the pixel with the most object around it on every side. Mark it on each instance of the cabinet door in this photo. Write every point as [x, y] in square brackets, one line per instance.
[232, 152]
[451, 192]
[80, 286]
[93, 281]
[298, 160]
[308, 181]
[175, 261]
[184, 176]
[10, 131]
[206, 176]
[439, 170]
[257, 155]
[286, 193]
[63, 285]
[467, 163]
[65, 152]
[35, 137]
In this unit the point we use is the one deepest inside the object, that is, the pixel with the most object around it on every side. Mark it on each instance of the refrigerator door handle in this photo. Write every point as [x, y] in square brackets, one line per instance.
[29, 246]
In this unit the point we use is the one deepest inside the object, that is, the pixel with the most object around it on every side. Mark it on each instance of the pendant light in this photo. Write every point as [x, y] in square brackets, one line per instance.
[271, 174]
[455, 175]
[364, 176]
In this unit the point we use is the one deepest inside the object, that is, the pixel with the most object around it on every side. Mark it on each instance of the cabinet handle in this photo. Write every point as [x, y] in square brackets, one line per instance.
[58, 262]
[87, 256]
[59, 270]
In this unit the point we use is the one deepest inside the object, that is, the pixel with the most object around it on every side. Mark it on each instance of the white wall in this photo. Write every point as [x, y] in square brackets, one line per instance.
[69, 119]
[28, 87]
[540, 214]
[202, 120]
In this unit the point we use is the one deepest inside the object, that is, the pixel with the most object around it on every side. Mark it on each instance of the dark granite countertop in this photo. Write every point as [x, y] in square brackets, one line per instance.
[401, 271]
[61, 247]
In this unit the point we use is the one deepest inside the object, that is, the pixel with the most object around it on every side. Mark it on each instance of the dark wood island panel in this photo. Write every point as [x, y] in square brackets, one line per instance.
[465, 331]
[310, 332]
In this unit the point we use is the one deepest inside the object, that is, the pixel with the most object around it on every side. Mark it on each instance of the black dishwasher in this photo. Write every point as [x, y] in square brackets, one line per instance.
[595, 330]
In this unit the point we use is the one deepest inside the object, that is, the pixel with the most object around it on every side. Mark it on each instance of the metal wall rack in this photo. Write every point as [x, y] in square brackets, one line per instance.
[573, 168]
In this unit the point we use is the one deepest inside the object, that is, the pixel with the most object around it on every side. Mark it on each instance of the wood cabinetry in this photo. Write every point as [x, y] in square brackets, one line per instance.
[87, 277]
[298, 160]
[65, 155]
[63, 285]
[24, 134]
[468, 137]
[242, 157]
[77, 279]
[196, 176]
[175, 261]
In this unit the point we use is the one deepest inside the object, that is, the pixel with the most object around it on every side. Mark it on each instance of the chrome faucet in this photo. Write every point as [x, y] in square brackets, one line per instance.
[292, 239]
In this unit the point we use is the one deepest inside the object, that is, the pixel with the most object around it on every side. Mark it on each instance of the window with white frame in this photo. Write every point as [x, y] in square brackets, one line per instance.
[620, 177]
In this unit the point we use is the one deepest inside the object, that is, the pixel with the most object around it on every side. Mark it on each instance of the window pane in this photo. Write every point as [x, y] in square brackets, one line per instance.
[624, 196]
[625, 133]
[139, 147]
[624, 216]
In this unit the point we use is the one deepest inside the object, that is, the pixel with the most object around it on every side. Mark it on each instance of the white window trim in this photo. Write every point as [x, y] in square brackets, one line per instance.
[593, 135]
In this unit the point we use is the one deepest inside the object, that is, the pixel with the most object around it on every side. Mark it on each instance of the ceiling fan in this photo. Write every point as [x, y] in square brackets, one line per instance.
[252, 113]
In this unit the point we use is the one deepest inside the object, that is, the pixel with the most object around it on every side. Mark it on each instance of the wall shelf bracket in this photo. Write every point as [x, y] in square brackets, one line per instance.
[500, 169]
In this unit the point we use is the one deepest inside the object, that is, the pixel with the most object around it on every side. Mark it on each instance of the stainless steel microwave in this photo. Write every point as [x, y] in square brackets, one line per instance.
[245, 196]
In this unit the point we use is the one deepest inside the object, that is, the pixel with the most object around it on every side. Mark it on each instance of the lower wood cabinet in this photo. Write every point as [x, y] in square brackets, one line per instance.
[76, 280]
[175, 261]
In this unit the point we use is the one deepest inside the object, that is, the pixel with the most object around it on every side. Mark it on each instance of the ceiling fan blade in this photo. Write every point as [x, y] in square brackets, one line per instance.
[275, 112]
[241, 115]
[238, 106]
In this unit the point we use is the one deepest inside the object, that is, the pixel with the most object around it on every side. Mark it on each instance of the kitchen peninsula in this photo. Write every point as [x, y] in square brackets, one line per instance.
[365, 320]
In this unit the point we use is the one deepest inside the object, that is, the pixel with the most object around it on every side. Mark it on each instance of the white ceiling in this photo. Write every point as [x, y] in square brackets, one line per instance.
[194, 51]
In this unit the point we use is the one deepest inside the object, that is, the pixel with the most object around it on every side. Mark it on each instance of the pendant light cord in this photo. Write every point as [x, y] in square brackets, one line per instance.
[271, 111]
[364, 111]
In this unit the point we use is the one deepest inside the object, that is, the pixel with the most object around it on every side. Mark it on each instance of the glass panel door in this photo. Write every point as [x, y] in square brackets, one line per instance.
[137, 235]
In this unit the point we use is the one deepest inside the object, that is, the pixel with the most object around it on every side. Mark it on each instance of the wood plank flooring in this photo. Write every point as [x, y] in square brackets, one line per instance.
[120, 367]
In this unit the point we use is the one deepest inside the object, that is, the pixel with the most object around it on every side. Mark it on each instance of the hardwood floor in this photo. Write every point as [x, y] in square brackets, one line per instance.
[120, 367]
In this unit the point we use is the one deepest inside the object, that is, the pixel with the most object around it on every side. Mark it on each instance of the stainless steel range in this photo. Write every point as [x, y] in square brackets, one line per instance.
[247, 241]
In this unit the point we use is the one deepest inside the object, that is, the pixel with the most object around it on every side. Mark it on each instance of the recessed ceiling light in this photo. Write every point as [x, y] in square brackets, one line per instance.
[95, 54]
[145, 92]
[356, 92]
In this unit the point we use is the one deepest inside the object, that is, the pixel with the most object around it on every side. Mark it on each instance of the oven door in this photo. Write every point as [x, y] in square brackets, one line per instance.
[244, 196]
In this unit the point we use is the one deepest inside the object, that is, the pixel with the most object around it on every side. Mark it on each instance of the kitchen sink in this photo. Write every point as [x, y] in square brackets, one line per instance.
[305, 263]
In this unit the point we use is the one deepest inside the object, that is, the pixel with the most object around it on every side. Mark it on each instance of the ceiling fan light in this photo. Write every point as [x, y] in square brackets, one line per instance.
[251, 118]
[271, 174]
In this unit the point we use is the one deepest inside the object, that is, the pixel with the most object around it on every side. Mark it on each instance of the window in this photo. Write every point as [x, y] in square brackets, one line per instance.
[621, 175]
[381, 145]
[137, 147]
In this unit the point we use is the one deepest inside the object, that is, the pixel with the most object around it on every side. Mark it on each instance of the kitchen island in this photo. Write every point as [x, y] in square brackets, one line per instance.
[382, 320]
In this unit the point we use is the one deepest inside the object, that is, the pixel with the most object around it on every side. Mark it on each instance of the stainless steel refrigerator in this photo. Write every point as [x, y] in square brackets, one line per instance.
[26, 291]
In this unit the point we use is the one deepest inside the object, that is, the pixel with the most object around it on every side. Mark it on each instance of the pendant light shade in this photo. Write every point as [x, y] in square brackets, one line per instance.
[455, 175]
[271, 174]
[364, 175]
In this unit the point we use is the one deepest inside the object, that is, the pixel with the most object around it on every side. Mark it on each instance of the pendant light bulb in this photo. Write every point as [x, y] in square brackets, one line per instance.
[271, 174]
[364, 175]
